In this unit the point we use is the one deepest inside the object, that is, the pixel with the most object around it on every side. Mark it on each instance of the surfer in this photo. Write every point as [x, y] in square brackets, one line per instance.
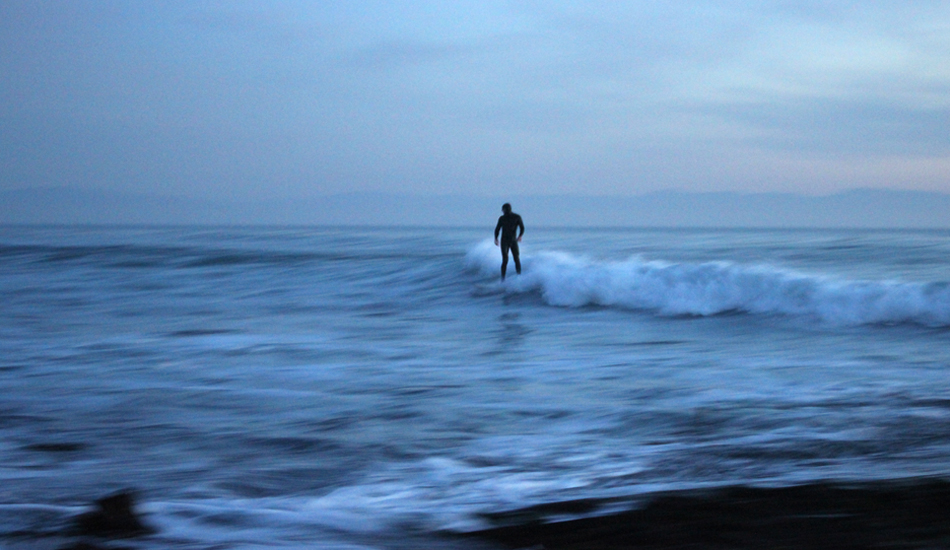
[509, 224]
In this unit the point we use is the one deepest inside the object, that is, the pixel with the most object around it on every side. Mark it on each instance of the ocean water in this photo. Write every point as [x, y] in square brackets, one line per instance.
[380, 387]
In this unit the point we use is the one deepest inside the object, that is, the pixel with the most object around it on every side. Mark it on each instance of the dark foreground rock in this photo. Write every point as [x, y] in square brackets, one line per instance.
[908, 514]
[113, 516]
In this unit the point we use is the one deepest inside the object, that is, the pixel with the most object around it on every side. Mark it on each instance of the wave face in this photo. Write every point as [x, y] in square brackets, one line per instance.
[716, 288]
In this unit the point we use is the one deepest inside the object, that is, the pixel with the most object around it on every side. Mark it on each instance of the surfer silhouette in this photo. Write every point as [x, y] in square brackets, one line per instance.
[509, 224]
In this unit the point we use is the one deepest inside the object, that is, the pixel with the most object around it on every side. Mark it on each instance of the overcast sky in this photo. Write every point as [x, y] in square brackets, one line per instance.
[242, 99]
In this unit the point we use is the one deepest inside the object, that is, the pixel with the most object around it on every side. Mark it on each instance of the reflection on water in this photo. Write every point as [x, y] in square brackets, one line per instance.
[511, 333]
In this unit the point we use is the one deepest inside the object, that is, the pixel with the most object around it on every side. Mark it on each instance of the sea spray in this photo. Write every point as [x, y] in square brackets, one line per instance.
[715, 288]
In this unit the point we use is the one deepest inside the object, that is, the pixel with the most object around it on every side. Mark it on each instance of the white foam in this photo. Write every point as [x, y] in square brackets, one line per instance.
[436, 493]
[252, 523]
[717, 287]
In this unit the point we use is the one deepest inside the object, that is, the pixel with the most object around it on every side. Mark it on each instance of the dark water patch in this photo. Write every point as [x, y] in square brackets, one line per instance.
[15, 419]
[556, 414]
[149, 257]
[913, 432]
[232, 518]
[8, 251]
[12, 368]
[150, 287]
[33, 527]
[486, 461]
[230, 258]
[731, 312]
[295, 445]
[703, 423]
[839, 247]
[137, 264]
[225, 260]
[412, 391]
[64, 255]
[645, 343]
[94, 352]
[334, 424]
[396, 413]
[65, 447]
[381, 314]
[298, 309]
[122, 256]
[198, 332]
[803, 451]
[934, 403]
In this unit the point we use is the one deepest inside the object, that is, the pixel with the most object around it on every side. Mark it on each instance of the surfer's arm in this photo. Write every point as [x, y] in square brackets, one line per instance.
[497, 229]
[521, 227]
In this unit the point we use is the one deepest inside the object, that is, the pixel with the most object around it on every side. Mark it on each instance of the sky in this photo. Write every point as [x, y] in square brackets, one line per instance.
[246, 100]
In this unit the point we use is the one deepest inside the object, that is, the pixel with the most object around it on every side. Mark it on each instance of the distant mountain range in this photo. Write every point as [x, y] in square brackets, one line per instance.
[862, 208]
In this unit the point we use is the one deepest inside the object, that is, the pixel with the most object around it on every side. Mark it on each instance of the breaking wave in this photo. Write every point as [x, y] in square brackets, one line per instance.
[714, 288]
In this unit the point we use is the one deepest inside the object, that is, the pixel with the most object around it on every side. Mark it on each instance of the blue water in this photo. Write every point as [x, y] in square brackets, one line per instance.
[368, 388]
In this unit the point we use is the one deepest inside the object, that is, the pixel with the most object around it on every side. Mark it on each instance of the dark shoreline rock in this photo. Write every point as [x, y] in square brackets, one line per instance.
[114, 516]
[901, 514]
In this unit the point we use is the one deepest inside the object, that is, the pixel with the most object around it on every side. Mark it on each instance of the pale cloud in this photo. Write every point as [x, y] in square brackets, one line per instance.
[295, 98]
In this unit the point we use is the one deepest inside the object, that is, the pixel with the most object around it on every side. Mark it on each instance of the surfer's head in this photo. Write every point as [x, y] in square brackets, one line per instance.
[506, 208]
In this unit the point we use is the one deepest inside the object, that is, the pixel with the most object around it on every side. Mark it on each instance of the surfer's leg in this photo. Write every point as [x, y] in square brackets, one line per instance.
[504, 259]
[516, 255]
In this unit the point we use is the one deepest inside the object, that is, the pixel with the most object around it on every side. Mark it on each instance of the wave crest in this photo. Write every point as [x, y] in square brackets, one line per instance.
[714, 288]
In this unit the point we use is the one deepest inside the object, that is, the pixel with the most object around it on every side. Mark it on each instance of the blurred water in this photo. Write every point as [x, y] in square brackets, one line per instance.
[288, 387]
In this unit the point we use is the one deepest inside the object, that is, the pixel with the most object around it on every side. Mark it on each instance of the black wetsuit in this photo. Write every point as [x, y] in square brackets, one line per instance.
[509, 224]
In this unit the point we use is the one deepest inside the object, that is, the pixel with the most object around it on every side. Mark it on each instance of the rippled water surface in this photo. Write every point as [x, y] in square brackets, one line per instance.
[361, 388]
